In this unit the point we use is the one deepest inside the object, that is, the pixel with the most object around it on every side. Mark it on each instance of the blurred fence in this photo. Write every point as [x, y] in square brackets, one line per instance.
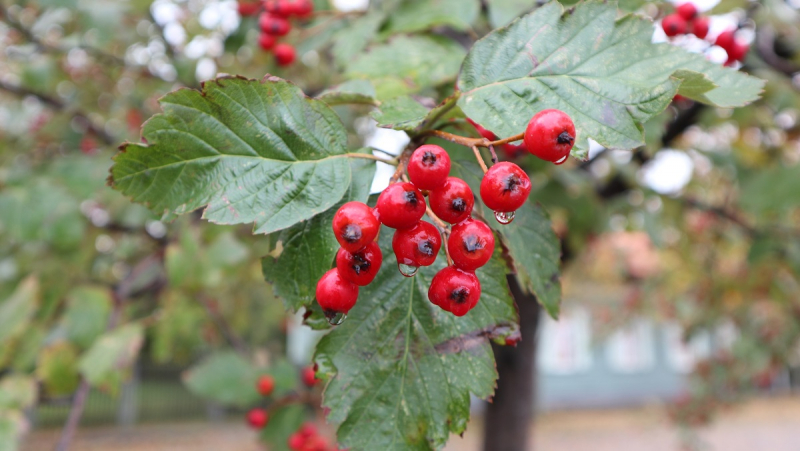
[152, 394]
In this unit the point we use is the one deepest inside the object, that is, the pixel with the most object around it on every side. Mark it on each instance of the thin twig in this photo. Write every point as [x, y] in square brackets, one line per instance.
[119, 295]
[479, 157]
[470, 142]
[367, 156]
[223, 326]
[443, 229]
[494, 155]
[45, 47]
[57, 105]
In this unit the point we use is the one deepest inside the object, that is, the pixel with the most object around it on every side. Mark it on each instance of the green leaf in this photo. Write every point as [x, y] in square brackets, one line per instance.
[419, 15]
[770, 189]
[87, 313]
[109, 359]
[695, 85]
[532, 244]
[17, 311]
[400, 113]
[58, 368]
[350, 92]
[306, 251]
[352, 39]
[502, 12]
[282, 424]
[401, 369]
[12, 425]
[407, 64]
[225, 377]
[603, 71]
[251, 151]
[17, 392]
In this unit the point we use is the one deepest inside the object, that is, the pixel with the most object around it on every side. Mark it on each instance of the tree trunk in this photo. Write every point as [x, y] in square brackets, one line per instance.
[508, 421]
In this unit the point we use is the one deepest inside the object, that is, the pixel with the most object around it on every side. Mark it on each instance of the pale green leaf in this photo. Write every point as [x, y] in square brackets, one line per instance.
[225, 377]
[350, 92]
[407, 64]
[87, 313]
[419, 15]
[17, 310]
[107, 363]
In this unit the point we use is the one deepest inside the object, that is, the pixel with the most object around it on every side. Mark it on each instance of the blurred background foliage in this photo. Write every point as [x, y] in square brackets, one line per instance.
[90, 282]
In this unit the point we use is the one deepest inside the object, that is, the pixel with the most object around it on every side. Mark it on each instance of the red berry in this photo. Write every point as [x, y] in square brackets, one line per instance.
[315, 443]
[355, 225]
[471, 244]
[417, 246]
[428, 167]
[455, 290]
[266, 41]
[284, 54]
[274, 25]
[452, 202]
[674, 25]
[266, 384]
[738, 51]
[257, 418]
[248, 8]
[307, 429]
[335, 294]
[550, 135]
[700, 26]
[482, 131]
[296, 441]
[282, 8]
[505, 187]
[726, 39]
[303, 8]
[687, 11]
[310, 379]
[362, 266]
[400, 206]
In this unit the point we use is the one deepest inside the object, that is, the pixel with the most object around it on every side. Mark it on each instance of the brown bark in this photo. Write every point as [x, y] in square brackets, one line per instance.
[509, 418]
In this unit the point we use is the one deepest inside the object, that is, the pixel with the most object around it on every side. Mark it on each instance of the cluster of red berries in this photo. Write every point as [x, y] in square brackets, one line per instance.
[550, 135]
[274, 23]
[416, 243]
[258, 417]
[505, 187]
[686, 19]
[307, 438]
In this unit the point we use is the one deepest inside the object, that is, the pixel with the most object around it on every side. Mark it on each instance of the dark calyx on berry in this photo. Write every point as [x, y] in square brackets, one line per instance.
[471, 244]
[565, 138]
[453, 201]
[417, 246]
[352, 233]
[362, 266]
[460, 295]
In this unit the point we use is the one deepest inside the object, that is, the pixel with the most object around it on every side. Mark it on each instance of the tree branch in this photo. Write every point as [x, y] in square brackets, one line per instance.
[57, 105]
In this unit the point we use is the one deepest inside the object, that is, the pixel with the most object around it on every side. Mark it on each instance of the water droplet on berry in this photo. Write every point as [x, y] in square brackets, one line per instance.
[562, 161]
[504, 217]
[407, 270]
[335, 318]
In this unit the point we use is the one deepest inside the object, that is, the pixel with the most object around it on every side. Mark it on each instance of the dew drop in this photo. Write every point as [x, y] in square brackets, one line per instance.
[562, 161]
[504, 217]
[407, 270]
[335, 318]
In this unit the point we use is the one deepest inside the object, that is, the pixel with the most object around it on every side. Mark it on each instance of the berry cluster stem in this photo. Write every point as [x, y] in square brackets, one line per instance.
[479, 157]
[472, 142]
[392, 161]
[443, 228]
